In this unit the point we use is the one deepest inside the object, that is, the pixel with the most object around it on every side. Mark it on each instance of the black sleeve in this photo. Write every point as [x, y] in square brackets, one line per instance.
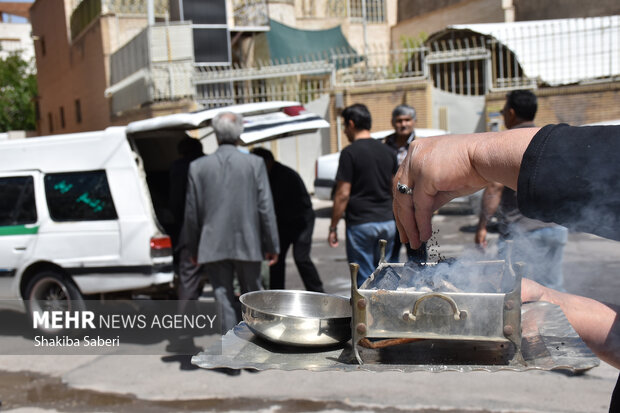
[571, 176]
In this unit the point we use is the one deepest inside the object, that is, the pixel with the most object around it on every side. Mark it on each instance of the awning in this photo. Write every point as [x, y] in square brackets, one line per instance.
[560, 51]
[289, 44]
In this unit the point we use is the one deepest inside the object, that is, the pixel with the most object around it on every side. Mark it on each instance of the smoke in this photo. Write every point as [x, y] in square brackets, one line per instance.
[466, 274]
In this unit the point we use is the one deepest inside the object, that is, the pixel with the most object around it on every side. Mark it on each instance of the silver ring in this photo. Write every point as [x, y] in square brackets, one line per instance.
[404, 189]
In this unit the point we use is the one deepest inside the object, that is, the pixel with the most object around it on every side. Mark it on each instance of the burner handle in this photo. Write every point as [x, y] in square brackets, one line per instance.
[458, 315]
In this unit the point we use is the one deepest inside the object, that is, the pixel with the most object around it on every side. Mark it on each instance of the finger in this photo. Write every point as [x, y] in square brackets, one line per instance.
[423, 209]
[403, 208]
[408, 225]
[401, 230]
[399, 226]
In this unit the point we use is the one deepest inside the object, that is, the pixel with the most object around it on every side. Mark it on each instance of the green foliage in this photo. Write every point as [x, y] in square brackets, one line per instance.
[18, 89]
[412, 42]
[409, 61]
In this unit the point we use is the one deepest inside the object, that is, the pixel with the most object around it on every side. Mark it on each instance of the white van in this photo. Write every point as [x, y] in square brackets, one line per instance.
[86, 214]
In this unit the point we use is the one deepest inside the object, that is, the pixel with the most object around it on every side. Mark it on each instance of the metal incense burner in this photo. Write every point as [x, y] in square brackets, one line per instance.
[383, 317]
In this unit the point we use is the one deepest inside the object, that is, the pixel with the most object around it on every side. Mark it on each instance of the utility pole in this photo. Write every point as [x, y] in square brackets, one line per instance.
[365, 34]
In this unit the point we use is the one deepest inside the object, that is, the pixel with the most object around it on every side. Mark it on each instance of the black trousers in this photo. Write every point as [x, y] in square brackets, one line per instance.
[300, 237]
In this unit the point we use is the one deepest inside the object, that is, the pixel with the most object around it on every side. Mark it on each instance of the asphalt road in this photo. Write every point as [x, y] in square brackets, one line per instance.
[170, 383]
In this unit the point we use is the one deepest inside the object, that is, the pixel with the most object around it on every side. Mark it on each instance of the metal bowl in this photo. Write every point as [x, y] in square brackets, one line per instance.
[298, 318]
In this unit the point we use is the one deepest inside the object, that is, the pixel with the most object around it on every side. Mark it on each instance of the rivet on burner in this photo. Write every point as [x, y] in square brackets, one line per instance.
[361, 303]
[361, 328]
[508, 330]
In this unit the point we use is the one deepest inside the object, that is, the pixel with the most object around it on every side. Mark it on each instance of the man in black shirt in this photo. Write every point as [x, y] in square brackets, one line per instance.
[295, 218]
[363, 191]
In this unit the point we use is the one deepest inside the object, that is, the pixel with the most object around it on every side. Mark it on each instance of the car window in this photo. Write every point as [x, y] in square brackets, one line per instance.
[17, 205]
[79, 196]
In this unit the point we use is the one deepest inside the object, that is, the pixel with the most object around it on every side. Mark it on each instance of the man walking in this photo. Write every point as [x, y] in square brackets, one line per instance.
[190, 281]
[403, 122]
[230, 224]
[540, 245]
[364, 191]
[295, 218]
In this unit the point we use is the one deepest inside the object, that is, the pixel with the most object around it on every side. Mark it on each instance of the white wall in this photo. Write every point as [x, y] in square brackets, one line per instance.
[16, 36]
[302, 151]
[465, 114]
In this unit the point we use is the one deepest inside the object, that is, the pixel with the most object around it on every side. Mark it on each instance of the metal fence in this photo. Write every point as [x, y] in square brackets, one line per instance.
[85, 12]
[463, 60]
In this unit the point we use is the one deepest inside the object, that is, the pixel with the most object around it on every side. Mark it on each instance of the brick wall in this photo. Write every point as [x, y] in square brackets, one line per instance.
[575, 105]
[75, 70]
[381, 100]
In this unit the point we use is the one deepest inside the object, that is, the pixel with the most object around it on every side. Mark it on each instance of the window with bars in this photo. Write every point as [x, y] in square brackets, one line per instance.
[375, 10]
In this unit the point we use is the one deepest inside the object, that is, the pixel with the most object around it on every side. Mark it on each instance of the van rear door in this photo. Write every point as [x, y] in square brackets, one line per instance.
[262, 121]
[19, 224]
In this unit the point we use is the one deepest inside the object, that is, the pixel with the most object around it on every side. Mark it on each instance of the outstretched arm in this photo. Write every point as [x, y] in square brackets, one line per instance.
[597, 324]
[491, 198]
[341, 200]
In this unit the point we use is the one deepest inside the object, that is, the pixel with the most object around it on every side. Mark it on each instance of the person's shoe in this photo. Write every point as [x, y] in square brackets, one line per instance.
[251, 370]
[228, 371]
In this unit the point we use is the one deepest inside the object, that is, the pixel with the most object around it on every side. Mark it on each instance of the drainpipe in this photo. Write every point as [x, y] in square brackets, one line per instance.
[509, 11]
[150, 11]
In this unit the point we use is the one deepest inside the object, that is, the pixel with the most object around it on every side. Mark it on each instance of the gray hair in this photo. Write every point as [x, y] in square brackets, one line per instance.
[227, 127]
[403, 110]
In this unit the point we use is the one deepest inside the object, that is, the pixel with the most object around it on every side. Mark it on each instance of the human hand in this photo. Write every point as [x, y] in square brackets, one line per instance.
[438, 169]
[271, 258]
[531, 291]
[332, 239]
[481, 238]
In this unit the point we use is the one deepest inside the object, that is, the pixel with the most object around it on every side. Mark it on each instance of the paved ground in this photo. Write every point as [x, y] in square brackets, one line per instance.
[168, 383]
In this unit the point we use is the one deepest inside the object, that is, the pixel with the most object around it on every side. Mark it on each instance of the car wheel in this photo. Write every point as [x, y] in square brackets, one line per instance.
[51, 291]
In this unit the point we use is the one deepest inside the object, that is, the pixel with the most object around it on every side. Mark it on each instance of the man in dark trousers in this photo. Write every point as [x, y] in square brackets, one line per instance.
[189, 282]
[230, 224]
[539, 244]
[295, 218]
[364, 190]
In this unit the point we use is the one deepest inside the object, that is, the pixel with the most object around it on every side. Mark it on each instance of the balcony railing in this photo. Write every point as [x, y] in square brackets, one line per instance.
[250, 13]
[86, 11]
[157, 64]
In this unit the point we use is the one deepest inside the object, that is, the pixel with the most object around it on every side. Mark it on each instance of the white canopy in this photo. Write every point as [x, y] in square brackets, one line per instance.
[561, 51]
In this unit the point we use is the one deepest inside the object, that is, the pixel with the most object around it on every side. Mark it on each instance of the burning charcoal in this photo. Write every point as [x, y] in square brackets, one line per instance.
[386, 279]
[411, 272]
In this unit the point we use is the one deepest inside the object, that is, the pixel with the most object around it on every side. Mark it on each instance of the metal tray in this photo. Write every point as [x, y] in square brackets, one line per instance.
[548, 343]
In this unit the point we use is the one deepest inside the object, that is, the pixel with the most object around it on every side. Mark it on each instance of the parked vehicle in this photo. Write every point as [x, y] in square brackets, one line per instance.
[86, 213]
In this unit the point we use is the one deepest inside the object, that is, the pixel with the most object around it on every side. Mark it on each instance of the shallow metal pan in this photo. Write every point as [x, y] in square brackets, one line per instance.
[298, 318]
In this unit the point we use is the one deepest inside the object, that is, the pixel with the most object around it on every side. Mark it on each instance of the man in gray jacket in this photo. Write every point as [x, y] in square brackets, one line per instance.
[230, 223]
